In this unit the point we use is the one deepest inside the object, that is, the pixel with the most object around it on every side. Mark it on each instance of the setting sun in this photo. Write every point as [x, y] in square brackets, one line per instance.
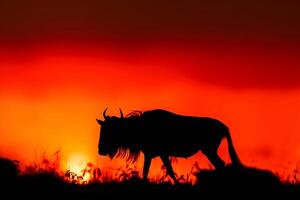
[77, 165]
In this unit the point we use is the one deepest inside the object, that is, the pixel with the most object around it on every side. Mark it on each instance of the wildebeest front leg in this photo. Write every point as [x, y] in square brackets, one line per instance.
[169, 168]
[147, 162]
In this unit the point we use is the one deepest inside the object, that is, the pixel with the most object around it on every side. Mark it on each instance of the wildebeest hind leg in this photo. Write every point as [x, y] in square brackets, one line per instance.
[214, 158]
[169, 168]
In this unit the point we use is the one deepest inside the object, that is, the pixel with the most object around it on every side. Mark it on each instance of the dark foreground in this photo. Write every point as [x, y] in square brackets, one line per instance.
[229, 182]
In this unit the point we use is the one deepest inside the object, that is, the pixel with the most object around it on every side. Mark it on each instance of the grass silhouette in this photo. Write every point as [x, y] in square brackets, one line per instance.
[43, 180]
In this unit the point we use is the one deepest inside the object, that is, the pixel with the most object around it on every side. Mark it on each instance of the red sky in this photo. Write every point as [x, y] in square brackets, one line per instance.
[60, 66]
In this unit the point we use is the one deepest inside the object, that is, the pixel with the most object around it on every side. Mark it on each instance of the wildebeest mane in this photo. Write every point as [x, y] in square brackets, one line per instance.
[135, 114]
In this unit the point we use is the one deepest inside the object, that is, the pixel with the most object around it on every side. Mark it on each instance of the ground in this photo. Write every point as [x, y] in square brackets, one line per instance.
[228, 182]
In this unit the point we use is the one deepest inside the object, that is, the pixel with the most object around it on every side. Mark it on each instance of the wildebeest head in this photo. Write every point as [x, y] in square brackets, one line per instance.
[110, 131]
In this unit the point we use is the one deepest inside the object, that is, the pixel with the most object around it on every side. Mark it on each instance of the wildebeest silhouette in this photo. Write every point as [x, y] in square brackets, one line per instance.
[164, 134]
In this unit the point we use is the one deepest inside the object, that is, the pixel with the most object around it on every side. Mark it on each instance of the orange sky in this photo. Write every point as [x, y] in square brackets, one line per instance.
[52, 92]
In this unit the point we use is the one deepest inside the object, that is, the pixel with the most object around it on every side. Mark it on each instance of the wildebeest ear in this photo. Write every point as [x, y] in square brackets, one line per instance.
[100, 122]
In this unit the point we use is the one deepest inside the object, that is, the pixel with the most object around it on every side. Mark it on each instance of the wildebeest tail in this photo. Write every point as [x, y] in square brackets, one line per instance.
[233, 155]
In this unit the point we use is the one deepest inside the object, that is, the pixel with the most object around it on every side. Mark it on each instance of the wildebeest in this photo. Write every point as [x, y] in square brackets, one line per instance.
[164, 134]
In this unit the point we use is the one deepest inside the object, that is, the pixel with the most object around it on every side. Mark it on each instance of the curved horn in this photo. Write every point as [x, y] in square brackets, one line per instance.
[121, 113]
[104, 114]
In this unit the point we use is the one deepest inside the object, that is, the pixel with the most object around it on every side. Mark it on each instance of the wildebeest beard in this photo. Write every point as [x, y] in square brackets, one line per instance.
[126, 145]
[130, 154]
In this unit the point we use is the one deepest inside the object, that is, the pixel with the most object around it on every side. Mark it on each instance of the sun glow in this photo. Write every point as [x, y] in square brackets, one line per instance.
[77, 168]
[76, 163]
[59, 92]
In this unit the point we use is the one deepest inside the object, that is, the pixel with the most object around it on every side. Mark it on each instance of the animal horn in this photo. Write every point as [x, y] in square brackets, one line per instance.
[104, 114]
[121, 113]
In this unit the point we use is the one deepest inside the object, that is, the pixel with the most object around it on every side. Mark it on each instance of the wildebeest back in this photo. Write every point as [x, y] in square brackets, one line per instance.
[163, 129]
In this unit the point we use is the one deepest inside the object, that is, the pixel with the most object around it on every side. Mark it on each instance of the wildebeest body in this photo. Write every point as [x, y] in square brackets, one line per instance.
[164, 134]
